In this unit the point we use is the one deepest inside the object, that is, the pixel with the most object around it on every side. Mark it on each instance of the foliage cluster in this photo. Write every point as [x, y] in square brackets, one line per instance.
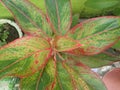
[53, 53]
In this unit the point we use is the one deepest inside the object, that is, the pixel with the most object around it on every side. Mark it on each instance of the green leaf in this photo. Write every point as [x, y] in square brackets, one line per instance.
[86, 79]
[96, 34]
[75, 20]
[61, 76]
[101, 4]
[59, 12]
[24, 56]
[30, 18]
[116, 11]
[117, 45]
[95, 61]
[38, 61]
[42, 79]
[65, 44]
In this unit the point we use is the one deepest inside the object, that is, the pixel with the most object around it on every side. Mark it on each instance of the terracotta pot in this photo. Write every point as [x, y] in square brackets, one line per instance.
[112, 79]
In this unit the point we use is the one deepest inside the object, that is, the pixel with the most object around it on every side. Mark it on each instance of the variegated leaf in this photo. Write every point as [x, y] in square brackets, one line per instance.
[95, 61]
[30, 18]
[24, 56]
[59, 12]
[65, 44]
[61, 76]
[42, 79]
[39, 62]
[96, 34]
[88, 79]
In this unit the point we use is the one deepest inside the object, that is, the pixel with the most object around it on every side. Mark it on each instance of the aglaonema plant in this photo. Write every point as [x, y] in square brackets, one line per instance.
[51, 55]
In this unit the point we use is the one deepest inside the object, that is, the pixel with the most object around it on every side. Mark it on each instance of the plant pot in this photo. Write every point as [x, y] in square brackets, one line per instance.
[9, 31]
[112, 79]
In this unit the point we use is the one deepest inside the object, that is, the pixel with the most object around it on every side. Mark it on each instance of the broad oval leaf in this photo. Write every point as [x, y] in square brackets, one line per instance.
[61, 76]
[96, 34]
[30, 18]
[95, 61]
[59, 14]
[24, 56]
[65, 44]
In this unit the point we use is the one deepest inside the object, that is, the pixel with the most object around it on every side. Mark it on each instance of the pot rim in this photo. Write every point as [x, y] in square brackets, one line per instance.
[12, 23]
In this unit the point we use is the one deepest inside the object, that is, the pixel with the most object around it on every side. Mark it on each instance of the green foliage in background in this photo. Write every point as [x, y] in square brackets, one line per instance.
[85, 8]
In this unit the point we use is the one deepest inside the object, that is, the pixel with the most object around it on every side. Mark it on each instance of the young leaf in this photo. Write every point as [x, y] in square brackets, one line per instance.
[59, 12]
[96, 34]
[65, 44]
[30, 18]
[24, 56]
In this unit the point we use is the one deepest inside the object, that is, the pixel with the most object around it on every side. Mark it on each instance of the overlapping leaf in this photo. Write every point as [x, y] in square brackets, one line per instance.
[96, 34]
[95, 61]
[59, 12]
[39, 62]
[87, 79]
[30, 18]
[24, 56]
[61, 76]
[42, 79]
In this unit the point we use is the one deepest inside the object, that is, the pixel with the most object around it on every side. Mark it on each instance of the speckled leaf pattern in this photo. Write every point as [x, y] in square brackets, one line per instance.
[96, 34]
[42, 79]
[42, 58]
[62, 76]
[24, 60]
[91, 81]
[59, 12]
[94, 61]
[66, 44]
[30, 18]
